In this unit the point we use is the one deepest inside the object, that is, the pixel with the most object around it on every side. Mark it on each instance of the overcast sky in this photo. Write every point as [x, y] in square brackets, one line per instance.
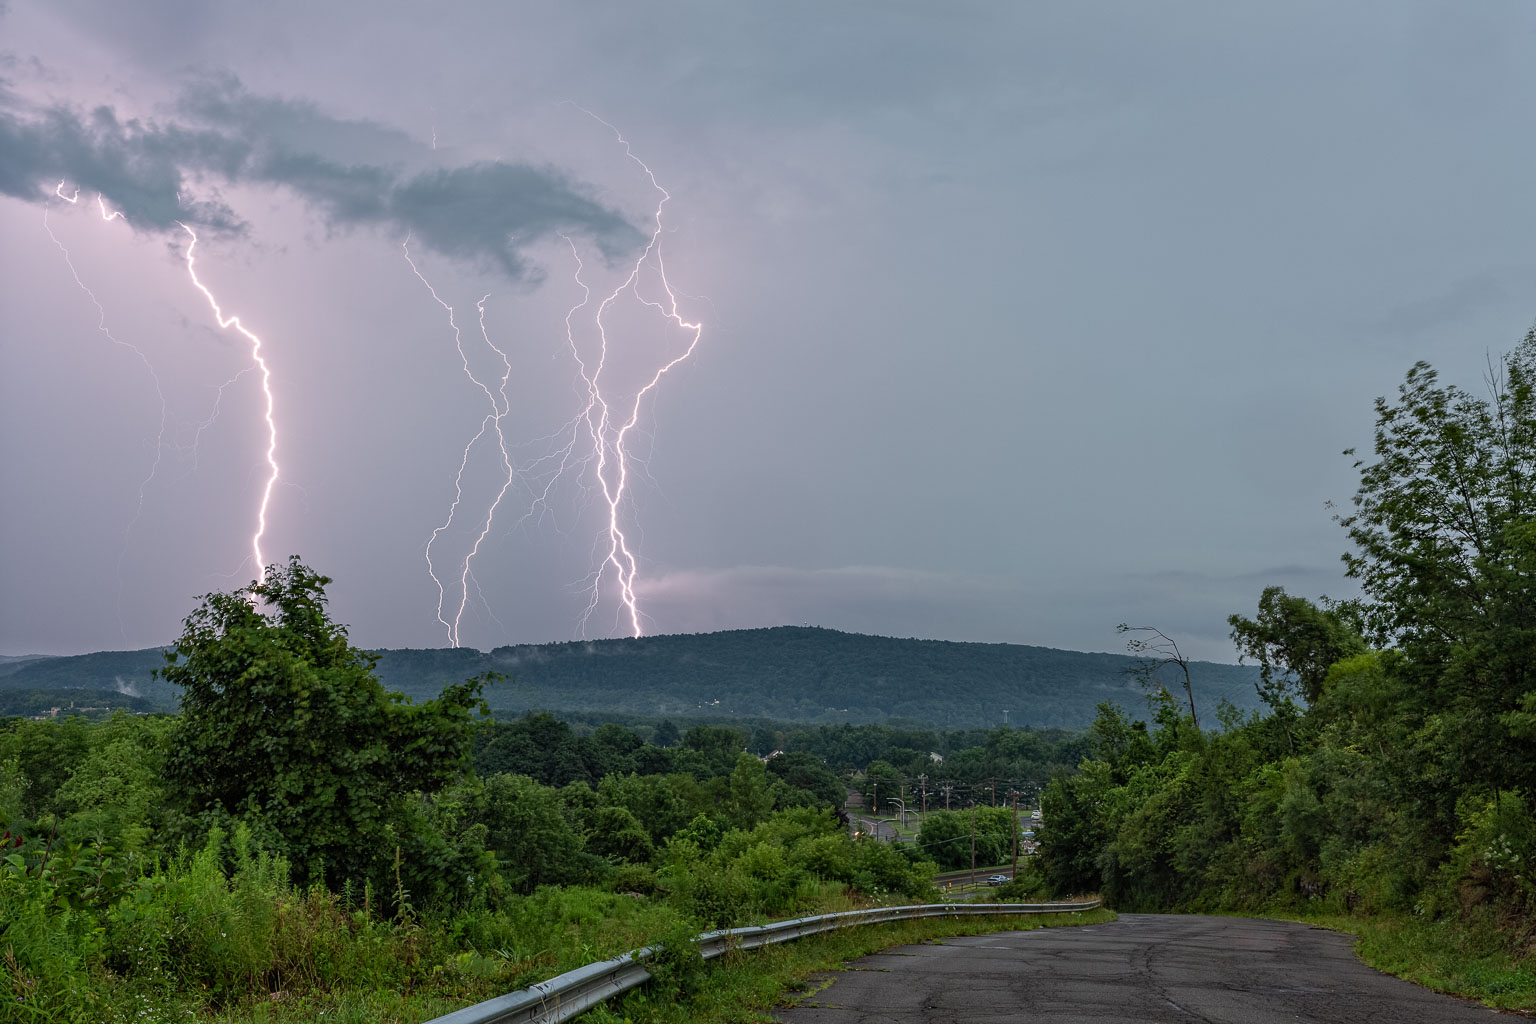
[1015, 320]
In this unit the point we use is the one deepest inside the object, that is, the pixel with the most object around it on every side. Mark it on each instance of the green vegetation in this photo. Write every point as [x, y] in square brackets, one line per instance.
[800, 675]
[70, 702]
[1391, 780]
[301, 843]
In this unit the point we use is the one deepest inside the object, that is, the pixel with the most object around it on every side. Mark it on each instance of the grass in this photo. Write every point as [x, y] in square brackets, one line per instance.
[1472, 961]
[738, 988]
[745, 988]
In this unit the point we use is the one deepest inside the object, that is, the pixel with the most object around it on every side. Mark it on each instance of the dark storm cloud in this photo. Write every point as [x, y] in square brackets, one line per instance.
[140, 168]
[480, 213]
[465, 212]
[344, 194]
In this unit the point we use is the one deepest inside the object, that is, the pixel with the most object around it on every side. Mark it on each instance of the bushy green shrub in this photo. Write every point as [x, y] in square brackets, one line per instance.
[1494, 859]
[47, 948]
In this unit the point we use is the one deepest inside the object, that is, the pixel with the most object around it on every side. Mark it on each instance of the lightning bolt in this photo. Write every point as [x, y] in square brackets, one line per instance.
[500, 407]
[260, 361]
[597, 444]
[609, 430]
[138, 353]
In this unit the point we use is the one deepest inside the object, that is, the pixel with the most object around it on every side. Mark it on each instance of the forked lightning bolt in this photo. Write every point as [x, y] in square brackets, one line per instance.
[612, 456]
[500, 406]
[599, 436]
[266, 388]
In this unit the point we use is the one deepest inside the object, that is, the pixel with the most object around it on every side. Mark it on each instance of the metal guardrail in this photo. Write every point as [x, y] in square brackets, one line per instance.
[566, 995]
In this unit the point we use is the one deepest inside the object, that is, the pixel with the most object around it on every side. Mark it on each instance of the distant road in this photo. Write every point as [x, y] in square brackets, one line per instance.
[882, 830]
[1142, 968]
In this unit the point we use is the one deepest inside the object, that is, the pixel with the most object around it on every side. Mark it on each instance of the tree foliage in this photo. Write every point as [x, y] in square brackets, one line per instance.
[284, 723]
[1445, 530]
[1395, 767]
[1295, 642]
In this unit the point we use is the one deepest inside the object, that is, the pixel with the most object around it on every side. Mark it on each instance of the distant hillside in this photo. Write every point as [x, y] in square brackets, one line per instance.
[129, 674]
[788, 673]
[16, 662]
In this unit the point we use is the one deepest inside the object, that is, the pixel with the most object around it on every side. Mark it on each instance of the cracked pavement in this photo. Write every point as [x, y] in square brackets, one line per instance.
[1141, 968]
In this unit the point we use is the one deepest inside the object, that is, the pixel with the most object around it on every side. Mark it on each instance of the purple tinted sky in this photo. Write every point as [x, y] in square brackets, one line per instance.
[1020, 320]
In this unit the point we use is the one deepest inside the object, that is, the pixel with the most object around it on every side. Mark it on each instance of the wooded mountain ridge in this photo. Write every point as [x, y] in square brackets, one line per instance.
[788, 673]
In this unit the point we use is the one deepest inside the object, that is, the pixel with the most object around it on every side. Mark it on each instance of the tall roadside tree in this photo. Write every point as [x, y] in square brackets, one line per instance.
[284, 724]
[1295, 642]
[1444, 525]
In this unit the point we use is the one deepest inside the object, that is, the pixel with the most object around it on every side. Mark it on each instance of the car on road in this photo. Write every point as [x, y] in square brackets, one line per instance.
[999, 880]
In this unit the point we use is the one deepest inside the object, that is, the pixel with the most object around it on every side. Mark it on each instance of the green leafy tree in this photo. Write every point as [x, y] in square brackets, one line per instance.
[114, 792]
[652, 799]
[283, 722]
[1444, 527]
[809, 775]
[534, 842]
[1295, 643]
[618, 835]
[718, 745]
[667, 734]
[946, 837]
[751, 800]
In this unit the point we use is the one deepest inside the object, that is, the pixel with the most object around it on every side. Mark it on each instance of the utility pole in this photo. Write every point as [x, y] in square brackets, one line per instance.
[947, 787]
[1015, 794]
[877, 797]
[973, 842]
[923, 780]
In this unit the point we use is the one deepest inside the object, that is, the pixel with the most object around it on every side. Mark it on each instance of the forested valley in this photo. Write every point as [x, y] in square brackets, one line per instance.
[299, 841]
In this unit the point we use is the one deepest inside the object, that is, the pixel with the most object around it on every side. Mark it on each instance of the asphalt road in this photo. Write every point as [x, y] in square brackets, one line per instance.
[1141, 968]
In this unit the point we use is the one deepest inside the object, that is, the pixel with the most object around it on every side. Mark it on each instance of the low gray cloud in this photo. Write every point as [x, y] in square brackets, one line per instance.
[291, 125]
[140, 168]
[469, 213]
[481, 213]
[1447, 307]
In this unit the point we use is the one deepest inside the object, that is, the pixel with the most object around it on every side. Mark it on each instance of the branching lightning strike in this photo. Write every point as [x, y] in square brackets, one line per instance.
[613, 457]
[598, 438]
[260, 361]
[500, 406]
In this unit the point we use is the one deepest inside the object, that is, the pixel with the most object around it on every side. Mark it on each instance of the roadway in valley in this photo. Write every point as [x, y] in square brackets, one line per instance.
[1141, 968]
